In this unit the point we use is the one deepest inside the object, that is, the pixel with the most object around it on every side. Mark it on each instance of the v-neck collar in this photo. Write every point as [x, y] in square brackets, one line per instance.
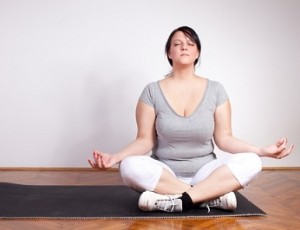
[197, 107]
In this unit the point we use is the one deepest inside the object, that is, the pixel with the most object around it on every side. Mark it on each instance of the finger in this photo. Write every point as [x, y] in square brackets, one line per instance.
[92, 164]
[95, 155]
[280, 142]
[98, 158]
[290, 149]
[282, 148]
[103, 164]
[283, 145]
[104, 161]
[282, 155]
[95, 163]
[99, 161]
[286, 152]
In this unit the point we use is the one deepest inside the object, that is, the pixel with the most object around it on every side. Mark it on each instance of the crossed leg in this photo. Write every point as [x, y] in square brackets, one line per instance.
[216, 178]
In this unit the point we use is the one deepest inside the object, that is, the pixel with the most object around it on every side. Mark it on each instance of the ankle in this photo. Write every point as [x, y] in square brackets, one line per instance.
[187, 202]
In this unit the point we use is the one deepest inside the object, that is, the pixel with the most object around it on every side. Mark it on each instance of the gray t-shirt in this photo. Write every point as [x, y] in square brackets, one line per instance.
[184, 143]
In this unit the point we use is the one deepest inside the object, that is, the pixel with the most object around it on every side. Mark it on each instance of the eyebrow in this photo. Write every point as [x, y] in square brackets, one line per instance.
[180, 40]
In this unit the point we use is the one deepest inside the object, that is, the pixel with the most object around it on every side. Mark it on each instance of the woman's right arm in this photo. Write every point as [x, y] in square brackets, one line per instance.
[144, 142]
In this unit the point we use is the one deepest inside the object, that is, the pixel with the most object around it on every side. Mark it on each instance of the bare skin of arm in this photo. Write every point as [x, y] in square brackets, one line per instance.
[144, 142]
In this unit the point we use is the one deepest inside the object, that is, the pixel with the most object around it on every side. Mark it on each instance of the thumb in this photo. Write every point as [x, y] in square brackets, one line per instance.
[281, 142]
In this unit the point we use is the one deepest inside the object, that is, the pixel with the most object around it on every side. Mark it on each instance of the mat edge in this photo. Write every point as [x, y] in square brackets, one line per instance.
[133, 218]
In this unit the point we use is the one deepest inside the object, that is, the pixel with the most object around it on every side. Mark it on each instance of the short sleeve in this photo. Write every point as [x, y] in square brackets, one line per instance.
[222, 95]
[147, 95]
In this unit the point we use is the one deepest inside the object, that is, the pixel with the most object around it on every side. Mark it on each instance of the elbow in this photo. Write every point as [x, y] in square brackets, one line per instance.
[221, 146]
[150, 145]
[218, 143]
[223, 143]
[146, 143]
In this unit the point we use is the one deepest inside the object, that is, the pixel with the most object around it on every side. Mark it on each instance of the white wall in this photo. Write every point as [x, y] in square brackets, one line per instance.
[71, 71]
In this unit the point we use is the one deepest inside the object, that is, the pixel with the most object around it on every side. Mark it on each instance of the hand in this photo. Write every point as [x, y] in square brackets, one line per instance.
[278, 150]
[102, 160]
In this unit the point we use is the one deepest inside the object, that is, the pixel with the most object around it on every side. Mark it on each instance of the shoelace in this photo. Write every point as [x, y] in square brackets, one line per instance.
[212, 203]
[167, 205]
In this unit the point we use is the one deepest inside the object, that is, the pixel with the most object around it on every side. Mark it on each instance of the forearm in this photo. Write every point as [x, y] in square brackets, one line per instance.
[140, 146]
[231, 144]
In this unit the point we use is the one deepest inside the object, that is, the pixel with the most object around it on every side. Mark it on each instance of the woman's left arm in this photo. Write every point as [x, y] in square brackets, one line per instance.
[227, 142]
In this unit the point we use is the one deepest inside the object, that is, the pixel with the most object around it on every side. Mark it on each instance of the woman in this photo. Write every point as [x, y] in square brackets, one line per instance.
[179, 118]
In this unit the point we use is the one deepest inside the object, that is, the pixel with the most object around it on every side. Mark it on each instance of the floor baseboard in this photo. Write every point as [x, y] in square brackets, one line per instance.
[112, 169]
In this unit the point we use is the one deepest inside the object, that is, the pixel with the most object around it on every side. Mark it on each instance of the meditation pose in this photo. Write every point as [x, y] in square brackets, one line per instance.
[180, 118]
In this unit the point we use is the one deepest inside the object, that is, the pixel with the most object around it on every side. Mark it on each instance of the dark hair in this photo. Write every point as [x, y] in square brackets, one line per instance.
[190, 33]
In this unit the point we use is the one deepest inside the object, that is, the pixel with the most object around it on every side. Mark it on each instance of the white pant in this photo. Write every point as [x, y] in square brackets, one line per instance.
[143, 172]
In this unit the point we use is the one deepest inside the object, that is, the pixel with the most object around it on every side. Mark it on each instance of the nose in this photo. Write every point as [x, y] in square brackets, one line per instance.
[184, 46]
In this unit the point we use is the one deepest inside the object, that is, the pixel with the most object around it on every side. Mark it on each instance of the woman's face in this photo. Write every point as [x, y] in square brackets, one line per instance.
[183, 50]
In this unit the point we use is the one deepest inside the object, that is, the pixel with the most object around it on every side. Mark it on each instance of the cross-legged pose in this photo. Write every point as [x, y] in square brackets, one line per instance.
[179, 120]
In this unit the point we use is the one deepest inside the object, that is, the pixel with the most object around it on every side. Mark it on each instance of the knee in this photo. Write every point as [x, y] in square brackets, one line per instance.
[253, 162]
[128, 166]
[140, 172]
[245, 167]
[132, 171]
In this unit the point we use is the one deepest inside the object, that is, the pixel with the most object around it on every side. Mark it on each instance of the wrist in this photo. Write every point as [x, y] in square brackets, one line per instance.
[259, 152]
[119, 156]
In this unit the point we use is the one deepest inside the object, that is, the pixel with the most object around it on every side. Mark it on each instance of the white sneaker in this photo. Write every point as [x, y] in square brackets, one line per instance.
[226, 202]
[151, 201]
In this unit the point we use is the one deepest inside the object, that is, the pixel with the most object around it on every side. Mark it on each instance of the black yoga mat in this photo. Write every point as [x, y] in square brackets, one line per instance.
[94, 202]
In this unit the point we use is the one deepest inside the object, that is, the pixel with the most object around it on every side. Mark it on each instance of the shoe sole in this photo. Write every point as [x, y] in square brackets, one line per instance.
[149, 197]
[231, 201]
[144, 200]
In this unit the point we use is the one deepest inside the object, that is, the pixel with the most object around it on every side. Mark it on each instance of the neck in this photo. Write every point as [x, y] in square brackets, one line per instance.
[183, 73]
